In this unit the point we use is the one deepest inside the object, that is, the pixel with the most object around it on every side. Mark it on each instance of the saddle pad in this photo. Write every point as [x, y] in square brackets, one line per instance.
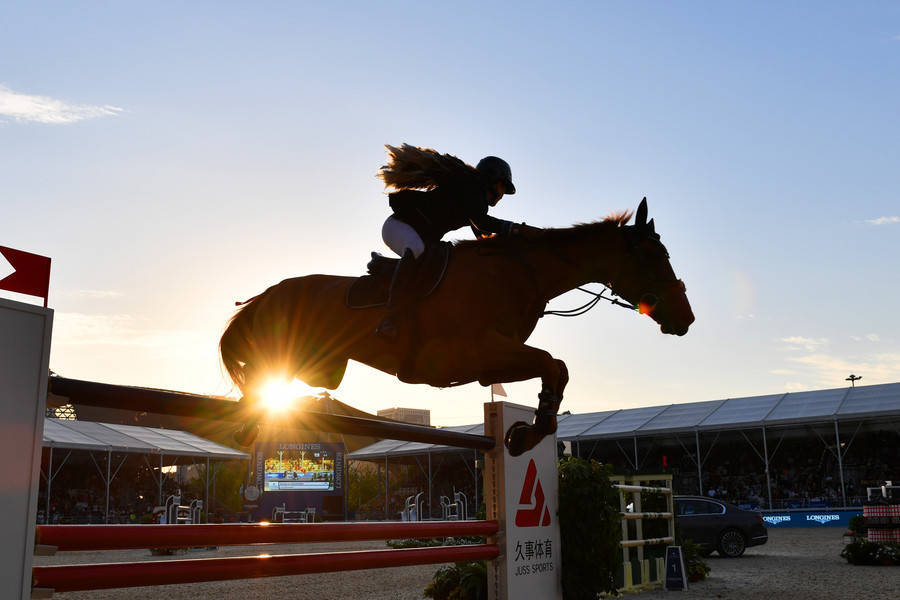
[372, 289]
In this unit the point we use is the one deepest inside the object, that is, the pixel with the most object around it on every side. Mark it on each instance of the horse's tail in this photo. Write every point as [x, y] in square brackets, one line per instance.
[236, 347]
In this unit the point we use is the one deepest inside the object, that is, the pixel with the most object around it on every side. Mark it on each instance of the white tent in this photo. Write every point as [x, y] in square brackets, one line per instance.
[129, 439]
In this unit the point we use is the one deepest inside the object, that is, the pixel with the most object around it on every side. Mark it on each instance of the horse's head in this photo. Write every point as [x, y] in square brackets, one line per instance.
[646, 278]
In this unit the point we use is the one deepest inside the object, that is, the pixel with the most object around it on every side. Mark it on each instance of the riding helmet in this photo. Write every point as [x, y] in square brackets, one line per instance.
[497, 169]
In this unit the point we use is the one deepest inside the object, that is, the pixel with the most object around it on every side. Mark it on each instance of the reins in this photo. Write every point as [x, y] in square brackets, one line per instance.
[597, 297]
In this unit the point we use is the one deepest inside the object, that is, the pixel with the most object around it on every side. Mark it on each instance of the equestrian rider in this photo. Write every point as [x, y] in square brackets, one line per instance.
[437, 194]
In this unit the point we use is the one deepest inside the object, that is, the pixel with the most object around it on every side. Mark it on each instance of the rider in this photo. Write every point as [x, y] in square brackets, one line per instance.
[437, 194]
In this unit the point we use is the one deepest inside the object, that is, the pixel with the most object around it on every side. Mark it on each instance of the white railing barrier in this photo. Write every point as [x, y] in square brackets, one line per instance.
[631, 484]
[462, 502]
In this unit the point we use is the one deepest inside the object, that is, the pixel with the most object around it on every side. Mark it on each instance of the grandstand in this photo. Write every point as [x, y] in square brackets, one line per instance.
[814, 449]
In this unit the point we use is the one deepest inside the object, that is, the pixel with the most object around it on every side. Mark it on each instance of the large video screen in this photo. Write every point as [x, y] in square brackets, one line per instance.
[300, 468]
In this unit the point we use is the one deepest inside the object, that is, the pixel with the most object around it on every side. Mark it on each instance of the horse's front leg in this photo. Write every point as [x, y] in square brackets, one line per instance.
[504, 360]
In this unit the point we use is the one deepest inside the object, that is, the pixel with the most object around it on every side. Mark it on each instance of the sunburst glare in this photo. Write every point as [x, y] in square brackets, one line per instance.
[278, 395]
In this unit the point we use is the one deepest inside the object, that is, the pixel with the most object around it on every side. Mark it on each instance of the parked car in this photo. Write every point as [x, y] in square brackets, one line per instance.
[716, 525]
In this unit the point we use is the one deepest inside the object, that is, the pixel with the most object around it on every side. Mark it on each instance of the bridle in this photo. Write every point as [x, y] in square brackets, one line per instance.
[647, 299]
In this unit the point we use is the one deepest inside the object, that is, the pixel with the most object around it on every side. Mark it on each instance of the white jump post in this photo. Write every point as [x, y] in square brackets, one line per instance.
[24, 367]
[521, 494]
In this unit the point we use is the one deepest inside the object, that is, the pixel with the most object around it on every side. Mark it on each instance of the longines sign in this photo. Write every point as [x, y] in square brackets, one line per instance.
[810, 518]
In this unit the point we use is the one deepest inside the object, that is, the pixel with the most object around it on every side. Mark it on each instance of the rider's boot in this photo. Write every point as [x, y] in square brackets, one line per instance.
[400, 297]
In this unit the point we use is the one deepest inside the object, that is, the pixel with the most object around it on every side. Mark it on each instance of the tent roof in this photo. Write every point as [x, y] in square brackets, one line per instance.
[839, 404]
[398, 448]
[87, 435]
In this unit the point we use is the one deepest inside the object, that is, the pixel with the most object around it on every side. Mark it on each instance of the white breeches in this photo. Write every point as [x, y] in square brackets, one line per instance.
[399, 236]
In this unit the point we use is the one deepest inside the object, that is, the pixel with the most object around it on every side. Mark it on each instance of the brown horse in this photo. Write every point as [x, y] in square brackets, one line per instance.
[472, 328]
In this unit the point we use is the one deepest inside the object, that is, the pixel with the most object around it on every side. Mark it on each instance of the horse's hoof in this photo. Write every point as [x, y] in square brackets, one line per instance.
[521, 437]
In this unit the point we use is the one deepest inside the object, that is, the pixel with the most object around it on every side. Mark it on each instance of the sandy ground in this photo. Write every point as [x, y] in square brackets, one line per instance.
[796, 563]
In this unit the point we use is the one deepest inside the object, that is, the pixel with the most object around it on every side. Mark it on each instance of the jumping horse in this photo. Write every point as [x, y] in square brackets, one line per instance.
[474, 325]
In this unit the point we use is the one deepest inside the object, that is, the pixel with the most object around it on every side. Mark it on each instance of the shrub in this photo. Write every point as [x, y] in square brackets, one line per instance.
[696, 567]
[858, 525]
[864, 552]
[462, 581]
[590, 528]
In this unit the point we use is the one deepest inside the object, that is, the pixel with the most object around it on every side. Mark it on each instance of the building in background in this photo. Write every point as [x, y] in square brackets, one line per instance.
[416, 416]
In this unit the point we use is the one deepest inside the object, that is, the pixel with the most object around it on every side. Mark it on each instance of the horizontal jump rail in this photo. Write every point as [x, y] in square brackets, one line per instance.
[647, 542]
[104, 395]
[121, 537]
[70, 578]
[643, 488]
[646, 515]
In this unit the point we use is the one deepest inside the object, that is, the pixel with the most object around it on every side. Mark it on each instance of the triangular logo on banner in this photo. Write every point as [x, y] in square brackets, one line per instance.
[538, 513]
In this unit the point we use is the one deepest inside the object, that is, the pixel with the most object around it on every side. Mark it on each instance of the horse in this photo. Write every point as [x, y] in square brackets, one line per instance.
[472, 327]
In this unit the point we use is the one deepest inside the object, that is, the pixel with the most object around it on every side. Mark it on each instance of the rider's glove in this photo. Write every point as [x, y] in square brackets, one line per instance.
[526, 231]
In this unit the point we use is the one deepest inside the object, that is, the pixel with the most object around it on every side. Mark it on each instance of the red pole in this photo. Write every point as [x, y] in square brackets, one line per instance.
[68, 578]
[119, 537]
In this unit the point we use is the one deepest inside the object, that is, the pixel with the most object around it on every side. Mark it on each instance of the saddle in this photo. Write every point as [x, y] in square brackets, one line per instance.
[372, 289]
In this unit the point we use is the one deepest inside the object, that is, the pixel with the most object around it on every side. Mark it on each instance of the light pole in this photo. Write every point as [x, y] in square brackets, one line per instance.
[853, 379]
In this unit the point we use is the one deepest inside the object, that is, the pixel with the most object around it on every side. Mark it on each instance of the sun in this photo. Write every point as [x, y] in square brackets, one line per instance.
[278, 395]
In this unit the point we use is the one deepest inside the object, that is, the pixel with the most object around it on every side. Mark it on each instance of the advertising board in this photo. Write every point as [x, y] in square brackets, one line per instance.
[526, 506]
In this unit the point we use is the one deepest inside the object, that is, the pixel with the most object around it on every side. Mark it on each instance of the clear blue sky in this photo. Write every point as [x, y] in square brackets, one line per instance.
[174, 158]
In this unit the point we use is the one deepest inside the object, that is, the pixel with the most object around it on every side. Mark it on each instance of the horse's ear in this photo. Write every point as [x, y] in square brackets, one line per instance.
[651, 231]
[640, 219]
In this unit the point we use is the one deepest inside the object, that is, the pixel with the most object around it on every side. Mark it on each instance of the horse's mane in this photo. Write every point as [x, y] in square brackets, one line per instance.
[410, 167]
[551, 236]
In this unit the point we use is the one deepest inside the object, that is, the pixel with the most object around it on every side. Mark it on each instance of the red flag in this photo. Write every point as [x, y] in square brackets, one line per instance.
[30, 273]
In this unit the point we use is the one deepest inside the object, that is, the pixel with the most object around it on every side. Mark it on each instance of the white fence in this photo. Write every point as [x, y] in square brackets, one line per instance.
[632, 485]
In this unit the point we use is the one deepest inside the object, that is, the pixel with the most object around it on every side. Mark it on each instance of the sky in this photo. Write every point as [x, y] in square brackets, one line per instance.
[172, 158]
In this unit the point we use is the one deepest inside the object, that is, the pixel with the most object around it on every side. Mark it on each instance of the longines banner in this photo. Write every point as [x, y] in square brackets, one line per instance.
[810, 518]
[527, 510]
